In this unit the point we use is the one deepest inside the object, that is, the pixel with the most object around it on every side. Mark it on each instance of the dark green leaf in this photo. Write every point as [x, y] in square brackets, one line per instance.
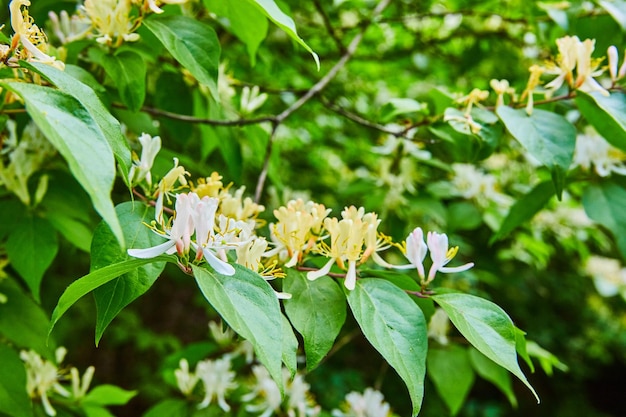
[604, 203]
[31, 247]
[113, 296]
[525, 208]
[73, 230]
[451, 371]
[170, 408]
[317, 310]
[75, 134]
[487, 327]
[250, 307]
[192, 43]
[396, 327]
[286, 23]
[128, 71]
[109, 126]
[93, 280]
[22, 321]
[493, 373]
[14, 400]
[549, 137]
[606, 114]
[108, 395]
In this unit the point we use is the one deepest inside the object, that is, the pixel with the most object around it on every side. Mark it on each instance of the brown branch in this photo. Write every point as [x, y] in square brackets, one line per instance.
[329, 27]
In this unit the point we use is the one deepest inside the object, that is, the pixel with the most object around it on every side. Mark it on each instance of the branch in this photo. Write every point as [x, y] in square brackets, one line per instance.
[329, 27]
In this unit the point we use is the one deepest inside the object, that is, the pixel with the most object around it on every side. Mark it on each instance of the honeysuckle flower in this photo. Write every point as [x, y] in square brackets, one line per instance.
[238, 207]
[150, 147]
[218, 379]
[613, 63]
[370, 403]
[347, 237]
[80, 387]
[153, 5]
[69, 29]
[587, 68]
[534, 81]
[415, 251]
[207, 243]
[441, 255]
[27, 33]
[210, 186]
[223, 335]
[43, 376]
[593, 149]
[298, 227]
[501, 87]
[166, 186]
[266, 391]
[463, 121]
[178, 235]
[185, 380]
[470, 182]
[609, 277]
[474, 97]
[251, 99]
[565, 62]
[112, 20]
[439, 326]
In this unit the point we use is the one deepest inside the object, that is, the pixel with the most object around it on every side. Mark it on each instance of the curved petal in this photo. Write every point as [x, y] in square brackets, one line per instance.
[218, 265]
[461, 268]
[313, 275]
[152, 252]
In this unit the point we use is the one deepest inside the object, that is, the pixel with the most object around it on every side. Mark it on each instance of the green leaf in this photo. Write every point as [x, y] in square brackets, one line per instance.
[109, 126]
[547, 360]
[95, 411]
[290, 347]
[11, 213]
[170, 407]
[73, 230]
[75, 134]
[604, 203]
[397, 106]
[113, 296]
[250, 307]
[286, 23]
[31, 247]
[245, 21]
[606, 114]
[108, 395]
[525, 208]
[451, 372]
[128, 70]
[317, 310]
[487, 327]
[192, 43]
[22, 321]
[14, 400]
[549, 137]
[84, 285]
[396, 327]
[520, 347]
[617, 10]
[492, 372]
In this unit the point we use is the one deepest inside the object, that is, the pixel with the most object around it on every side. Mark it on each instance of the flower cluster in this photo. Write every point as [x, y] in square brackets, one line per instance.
[211, 220]
[28, 42]
[370, 403]
[44, 378]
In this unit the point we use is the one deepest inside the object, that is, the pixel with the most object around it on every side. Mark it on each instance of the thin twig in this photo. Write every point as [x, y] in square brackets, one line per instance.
[316, 89]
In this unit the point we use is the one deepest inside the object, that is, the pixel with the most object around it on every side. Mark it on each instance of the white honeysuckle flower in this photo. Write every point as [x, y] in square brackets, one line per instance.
[223, 335]
[587, 68]
[218, 379]
[251, 100]
[150, 147]
[185, 380]
[178, 235]
[166, 187]
[370, 403]
[609, 276]
[112, 20]
[593, 149]
[439, 326]
[613, 63]
[441, 255]
[32, 38]
[69, 29]
[43, 376]
[415, 251]
[266, 391]
[207, 243]
[80, 387]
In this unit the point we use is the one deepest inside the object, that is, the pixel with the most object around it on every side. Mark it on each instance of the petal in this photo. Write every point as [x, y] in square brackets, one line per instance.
[152, 252]
[456, 268]
[350, 281]
[218, 265]
[313, 275]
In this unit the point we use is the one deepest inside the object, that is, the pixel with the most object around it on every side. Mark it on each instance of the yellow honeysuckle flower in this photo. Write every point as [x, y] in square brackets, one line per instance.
[112, 20]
